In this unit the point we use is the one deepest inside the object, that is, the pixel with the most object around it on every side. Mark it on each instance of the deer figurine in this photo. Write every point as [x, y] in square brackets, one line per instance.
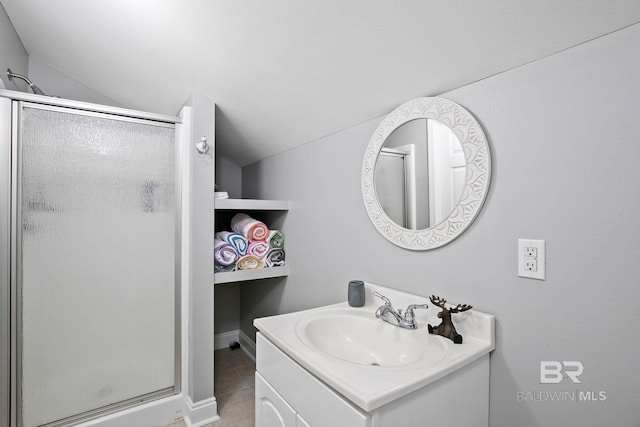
[446, 328]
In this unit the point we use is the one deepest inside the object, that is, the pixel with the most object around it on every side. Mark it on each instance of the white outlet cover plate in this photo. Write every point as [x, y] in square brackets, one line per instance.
[540, 273]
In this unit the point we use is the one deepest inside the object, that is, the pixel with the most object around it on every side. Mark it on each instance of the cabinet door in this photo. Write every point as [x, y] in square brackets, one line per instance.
[300, 422]
[271, 409]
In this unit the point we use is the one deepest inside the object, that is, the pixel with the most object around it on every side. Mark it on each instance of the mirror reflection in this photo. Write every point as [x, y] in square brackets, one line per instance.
[420, 174]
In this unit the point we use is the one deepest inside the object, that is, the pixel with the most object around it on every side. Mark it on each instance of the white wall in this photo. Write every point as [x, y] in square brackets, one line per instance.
[228, 177]
[55, 83]
[563, 133]
[12, 55]
[201, 316]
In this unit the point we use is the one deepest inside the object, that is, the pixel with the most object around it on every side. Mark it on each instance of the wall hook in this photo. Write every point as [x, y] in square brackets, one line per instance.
[202, 146]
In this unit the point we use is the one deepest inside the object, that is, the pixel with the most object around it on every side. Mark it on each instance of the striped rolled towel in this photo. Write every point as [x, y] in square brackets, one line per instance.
[217, 268]
[238, 241]
[249, 262]
[258, 248]
[274, 258]
[276, 239]
[250, 228]
[224, 253]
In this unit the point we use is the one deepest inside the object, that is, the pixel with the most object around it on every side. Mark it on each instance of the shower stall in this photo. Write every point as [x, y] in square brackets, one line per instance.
[90, 242]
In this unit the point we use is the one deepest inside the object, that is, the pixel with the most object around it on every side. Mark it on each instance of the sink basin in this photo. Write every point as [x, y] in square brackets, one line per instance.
[362, 339]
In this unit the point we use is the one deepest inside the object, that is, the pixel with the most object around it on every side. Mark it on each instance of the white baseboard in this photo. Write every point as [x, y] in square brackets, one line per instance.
[224, 339]
[162, 412]
[247, 344]
[201, 413]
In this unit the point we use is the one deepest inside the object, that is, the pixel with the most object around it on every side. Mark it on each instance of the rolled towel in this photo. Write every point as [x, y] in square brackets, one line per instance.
[238, 241]
[223, 268]
[258, 248]
[274, 258]
[276, 239]
[250, 228]
[249, 262]
[224, 253]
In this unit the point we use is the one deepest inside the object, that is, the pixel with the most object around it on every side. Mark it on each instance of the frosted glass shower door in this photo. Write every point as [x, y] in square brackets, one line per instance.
[96, 262]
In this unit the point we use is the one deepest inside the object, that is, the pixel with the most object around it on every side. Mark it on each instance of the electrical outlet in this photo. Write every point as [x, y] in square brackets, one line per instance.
[531, 259]
[531, 263]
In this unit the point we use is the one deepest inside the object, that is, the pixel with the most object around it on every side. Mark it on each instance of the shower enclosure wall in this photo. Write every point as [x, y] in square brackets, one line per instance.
[90, 245]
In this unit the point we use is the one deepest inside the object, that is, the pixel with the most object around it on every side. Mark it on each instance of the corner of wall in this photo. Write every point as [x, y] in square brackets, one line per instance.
[12, 53]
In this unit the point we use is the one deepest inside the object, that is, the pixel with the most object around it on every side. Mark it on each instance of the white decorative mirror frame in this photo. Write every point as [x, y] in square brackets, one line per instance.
[476, 186]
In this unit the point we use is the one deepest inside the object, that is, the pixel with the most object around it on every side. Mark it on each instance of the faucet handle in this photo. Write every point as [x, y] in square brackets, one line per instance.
[409, 314]
[385, 299]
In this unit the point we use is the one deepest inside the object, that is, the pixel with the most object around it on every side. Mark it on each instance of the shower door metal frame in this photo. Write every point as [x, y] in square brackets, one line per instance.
[14, 288]
[6, 403]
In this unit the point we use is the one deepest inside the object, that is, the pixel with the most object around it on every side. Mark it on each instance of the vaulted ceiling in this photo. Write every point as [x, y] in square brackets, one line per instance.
[286, 72]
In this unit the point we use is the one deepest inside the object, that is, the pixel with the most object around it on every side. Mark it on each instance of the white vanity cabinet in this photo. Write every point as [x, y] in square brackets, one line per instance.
[301, 422]
[271, 409]
[288, 395]
[340, 366]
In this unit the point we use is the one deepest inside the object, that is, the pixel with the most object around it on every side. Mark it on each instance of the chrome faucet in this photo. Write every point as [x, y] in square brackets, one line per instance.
[395, 317]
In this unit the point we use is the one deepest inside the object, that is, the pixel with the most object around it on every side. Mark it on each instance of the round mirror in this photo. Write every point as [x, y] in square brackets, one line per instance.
[426, 173]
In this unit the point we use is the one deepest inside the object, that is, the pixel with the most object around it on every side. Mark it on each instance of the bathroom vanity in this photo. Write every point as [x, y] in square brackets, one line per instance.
[341, 366]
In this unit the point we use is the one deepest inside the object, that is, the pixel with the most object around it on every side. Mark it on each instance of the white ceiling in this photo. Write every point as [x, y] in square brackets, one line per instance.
[286, 72]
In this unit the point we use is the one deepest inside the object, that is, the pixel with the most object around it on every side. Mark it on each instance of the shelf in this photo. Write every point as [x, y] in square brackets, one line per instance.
[244, 275]
[272, 212]
[251, 204]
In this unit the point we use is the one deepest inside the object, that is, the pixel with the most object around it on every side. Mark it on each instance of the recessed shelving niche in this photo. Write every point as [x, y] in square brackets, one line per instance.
[271, 212]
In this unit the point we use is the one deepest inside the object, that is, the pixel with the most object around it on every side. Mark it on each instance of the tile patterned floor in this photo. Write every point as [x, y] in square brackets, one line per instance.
[234, 385]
